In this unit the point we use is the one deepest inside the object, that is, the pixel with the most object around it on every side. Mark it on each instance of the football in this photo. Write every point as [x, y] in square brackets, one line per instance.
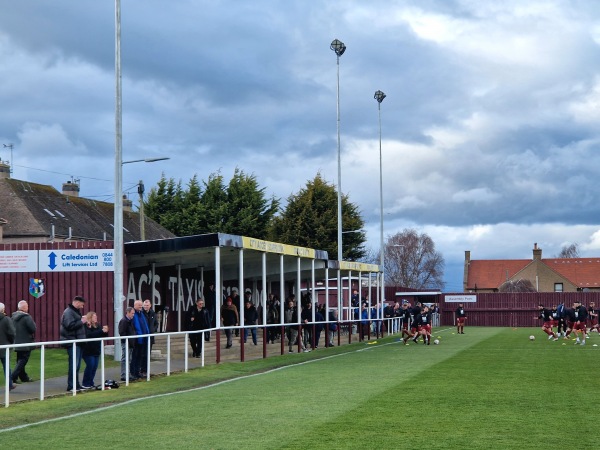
[532, 338]
[436, 342]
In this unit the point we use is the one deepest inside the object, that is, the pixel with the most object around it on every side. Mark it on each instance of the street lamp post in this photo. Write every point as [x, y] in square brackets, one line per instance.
[339, 48]
[118, 208]
[379, 96]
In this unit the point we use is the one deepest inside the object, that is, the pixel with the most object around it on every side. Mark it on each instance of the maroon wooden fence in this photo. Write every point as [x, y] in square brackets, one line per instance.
[61, 287]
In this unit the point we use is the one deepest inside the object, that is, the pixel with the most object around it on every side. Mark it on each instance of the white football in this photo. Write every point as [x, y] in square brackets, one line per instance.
[532, 338]
[436, 342]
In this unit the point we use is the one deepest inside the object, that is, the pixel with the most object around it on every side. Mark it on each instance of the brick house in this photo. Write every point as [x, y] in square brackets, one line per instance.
[35, 213]
[544, 274]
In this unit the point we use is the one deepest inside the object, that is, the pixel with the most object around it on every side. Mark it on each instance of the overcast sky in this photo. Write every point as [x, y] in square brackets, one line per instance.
[491, 125]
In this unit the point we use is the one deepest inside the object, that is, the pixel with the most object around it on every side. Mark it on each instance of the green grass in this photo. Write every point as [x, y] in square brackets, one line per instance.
[488, 389]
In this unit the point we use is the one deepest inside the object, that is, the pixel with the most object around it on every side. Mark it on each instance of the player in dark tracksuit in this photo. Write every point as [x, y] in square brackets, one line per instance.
[570, 319]
[424, 323]
[579, 326]
[460, 319]
[546, 316]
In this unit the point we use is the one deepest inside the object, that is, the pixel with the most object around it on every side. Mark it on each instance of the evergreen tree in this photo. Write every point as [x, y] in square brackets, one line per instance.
[238, 208]
[310, 220]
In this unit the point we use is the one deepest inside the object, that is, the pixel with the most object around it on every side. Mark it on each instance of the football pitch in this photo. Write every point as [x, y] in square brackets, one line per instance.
[491, 388]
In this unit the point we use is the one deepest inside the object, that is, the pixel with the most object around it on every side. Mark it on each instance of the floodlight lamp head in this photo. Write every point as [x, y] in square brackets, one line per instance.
[338, 47]
[379, 96]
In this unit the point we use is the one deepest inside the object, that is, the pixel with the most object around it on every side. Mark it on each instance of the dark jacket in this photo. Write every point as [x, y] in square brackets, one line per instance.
[7, 330]
[152, 322]
[151, 319]
[202, 318]
[93, 348]
[250, 315]
[126, 328]
[230, 316]
[71, 326]
[25, 328]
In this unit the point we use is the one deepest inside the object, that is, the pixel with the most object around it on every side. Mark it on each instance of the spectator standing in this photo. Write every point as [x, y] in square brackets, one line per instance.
[230, 318]
[25, 328]
[250, 319]
[7, 336]
[211, 303]
[307, 327]
[199, 319]
[72, 326]
[92, 350]
[365, 324]
[333, 319]
[126, 328]
[152, 326]
[388, 315]
[319, 319]
[291, 317]
[235, 299]
[141, 346]
[272, 318]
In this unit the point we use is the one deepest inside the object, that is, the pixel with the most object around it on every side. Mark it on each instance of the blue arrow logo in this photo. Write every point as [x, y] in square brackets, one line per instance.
[52, 264]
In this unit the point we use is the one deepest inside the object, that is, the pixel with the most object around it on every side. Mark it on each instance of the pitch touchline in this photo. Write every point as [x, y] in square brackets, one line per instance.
[218, 383]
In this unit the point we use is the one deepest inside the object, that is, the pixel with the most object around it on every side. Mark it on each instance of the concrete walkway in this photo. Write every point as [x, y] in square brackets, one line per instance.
[54, 387]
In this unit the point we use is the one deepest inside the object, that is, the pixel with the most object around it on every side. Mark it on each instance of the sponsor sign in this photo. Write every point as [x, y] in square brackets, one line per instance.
[275, 247]
[76, 260]
[460, 298]
[19, 261]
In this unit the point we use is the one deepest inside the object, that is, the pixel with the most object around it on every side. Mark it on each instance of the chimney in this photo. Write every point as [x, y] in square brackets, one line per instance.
[4, 170]
[537, 252]
[2, 223]
[71, 189]
[127, 204]
[466, 270]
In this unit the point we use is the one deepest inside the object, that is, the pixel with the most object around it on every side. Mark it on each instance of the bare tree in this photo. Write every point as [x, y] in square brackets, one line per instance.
[569, 251]
[520, 285]
[412, 261]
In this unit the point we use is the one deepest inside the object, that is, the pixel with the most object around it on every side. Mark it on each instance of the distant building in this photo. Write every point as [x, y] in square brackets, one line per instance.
[34, 213]
[544, 274]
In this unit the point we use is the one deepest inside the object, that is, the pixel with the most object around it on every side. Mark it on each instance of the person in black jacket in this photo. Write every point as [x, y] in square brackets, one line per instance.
[198, 319]
[25, 328]
[150, 316]
[126, 328]
[72, 326]
[250, 318]
[230, 318]
[581, 316]
[92, 350]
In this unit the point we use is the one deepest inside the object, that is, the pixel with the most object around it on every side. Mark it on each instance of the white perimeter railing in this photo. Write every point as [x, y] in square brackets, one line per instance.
[393, 326]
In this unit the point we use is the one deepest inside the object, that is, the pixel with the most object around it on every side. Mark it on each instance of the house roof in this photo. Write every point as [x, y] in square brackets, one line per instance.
[583, 272]
[31, 209]
[491, 273]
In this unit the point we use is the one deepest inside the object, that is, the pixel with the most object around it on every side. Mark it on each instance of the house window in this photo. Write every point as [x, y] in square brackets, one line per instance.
[558, 287]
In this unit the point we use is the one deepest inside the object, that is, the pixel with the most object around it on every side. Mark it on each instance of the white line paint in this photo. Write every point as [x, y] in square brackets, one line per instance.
[219, 383]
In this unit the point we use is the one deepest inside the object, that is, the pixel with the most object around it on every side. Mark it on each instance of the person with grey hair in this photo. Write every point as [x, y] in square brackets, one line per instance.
[25, 328]
[7, 337]
[126, 328]
[72, 327]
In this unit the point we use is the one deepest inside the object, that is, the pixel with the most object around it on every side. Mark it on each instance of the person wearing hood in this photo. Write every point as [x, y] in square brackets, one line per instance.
[25, 328]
